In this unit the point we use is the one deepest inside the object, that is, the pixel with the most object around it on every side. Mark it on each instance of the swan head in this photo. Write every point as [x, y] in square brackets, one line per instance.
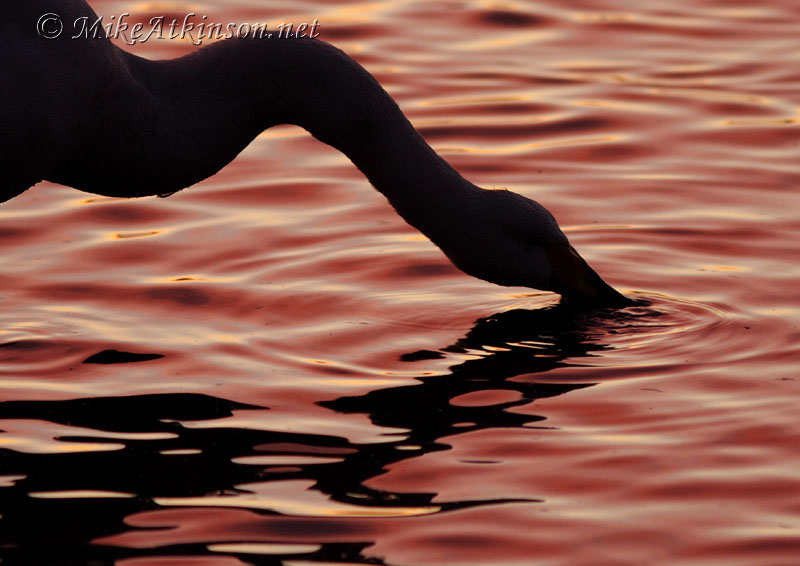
[504, 238]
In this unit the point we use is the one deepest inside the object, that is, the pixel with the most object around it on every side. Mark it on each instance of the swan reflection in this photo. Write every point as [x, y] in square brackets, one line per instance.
[174, 466]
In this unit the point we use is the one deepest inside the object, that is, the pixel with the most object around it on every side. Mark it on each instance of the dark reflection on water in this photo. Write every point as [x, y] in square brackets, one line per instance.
[36, 528]
[508, 344]
[117, 357]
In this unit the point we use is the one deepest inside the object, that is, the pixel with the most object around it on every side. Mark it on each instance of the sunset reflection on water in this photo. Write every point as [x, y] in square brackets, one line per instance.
[289, 374]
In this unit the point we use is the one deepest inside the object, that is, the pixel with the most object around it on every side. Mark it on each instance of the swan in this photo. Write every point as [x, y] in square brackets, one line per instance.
[89, 115]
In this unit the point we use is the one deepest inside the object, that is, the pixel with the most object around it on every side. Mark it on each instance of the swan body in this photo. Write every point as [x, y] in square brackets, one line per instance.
[86, 114]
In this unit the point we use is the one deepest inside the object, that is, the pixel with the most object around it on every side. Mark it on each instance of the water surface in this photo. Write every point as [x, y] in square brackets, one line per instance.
[273, 368]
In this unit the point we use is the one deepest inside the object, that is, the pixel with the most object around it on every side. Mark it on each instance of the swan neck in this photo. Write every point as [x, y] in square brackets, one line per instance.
[199, 111]
[342, 105]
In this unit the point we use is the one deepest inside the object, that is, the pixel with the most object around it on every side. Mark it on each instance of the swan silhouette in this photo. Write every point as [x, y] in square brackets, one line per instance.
[86, 114]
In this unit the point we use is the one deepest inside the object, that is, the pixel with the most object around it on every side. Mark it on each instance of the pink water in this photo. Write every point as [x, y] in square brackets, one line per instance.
[332, 391]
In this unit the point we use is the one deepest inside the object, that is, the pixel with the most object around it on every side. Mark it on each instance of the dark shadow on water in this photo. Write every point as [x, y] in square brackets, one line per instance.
[504, 352]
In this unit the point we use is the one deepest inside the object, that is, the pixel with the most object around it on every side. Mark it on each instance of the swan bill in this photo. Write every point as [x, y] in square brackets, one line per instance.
[575, 281]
